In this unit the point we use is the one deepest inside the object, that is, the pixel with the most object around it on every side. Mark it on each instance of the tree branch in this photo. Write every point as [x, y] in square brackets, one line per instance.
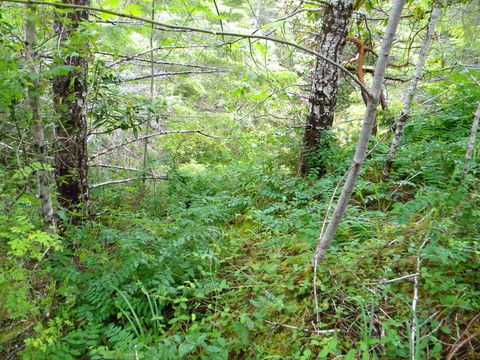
[114, 167]
[94, 186]
[198, 30]
[173, 74]
[137, 58]
[158, 134]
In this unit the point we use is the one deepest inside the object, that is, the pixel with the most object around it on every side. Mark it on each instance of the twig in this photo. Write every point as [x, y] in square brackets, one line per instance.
[173, 74]
[158, 134]
[395, 280]
[94, 186]
[6, 145]
[414, 312]
[140, 59]
[413, 336]
[115, 167]
[403, 182]
[455, 349]
[300, 329]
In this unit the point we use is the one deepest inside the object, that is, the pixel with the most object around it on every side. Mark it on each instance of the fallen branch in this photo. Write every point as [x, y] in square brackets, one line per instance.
[396, 279]
[300, 329]
[94, 186]
[457, 347]
[158, 134]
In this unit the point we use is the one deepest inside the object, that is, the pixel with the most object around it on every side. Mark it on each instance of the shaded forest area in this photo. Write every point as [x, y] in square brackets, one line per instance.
[239, 179]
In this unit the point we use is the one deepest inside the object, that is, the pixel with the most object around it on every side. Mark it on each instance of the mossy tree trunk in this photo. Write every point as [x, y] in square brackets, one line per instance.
[70, 95]
[37, 126]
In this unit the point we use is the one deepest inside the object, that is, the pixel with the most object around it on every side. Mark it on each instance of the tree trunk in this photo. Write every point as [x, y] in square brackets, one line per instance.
[362, 146]
[323, 94]
[152, 97]
[70, 93]
[405, 115]
[472, 141]
[37, 128]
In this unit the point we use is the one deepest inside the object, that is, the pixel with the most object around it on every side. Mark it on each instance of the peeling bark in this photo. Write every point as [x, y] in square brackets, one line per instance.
[323, 94]
[70, 93]
[405, 115]
[37, 127]
[362, 51]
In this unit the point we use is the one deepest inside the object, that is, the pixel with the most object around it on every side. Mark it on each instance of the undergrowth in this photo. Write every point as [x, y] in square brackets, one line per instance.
[215, 263]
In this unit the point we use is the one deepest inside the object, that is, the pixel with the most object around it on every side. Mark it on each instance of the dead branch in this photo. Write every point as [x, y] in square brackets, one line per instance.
[140, 138]
[122, 181]
[458, 346]
[300, 329]
[115, 167]
[137, 58]
[395, 280]
[173, 74]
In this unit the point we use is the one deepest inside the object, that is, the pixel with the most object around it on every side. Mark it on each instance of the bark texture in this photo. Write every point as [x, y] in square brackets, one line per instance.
[323, 94]
[472, 141]
[368, 123]
[70, 93]
[405, 114]
[37, 127]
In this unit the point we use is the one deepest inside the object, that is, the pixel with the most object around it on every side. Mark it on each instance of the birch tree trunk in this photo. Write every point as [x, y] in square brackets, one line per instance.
[152, 96]
[323, 94]
[368, 123]
[472, 141]
[37, 127]
[70, 94]
[405, 115]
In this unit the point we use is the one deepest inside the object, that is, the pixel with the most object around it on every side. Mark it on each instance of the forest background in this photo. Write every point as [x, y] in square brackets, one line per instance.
[193, 179]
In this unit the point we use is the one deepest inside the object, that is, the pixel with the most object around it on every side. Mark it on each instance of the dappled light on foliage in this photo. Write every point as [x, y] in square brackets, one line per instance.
[235, 179]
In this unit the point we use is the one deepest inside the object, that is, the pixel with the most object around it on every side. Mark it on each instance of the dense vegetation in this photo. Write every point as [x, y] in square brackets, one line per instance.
[158, 199]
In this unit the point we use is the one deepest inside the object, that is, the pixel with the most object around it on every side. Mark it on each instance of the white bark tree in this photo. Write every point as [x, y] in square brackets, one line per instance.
[152, 97]
[405, 115]
[472, 141]
[37, 126]
[359, 157]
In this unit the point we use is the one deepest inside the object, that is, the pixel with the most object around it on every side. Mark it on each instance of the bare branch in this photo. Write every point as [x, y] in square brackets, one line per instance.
[198, 30]
[114, 167]
[136, 58]
[94, 186]
[158, 134]
[174, 73]
[300, 329]
[395, 280]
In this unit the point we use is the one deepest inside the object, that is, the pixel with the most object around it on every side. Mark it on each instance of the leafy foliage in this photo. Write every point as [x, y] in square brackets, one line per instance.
[214, 263]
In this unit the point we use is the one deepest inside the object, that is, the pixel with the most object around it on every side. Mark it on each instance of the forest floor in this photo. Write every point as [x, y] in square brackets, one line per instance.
[217, 265]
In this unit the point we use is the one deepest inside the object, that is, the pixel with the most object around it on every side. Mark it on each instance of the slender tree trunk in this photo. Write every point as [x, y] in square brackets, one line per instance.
[362, 146]
[152, 97]
[472, 141]
[405, 115]
[37, 128]
[70, 94]
[323, 94]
